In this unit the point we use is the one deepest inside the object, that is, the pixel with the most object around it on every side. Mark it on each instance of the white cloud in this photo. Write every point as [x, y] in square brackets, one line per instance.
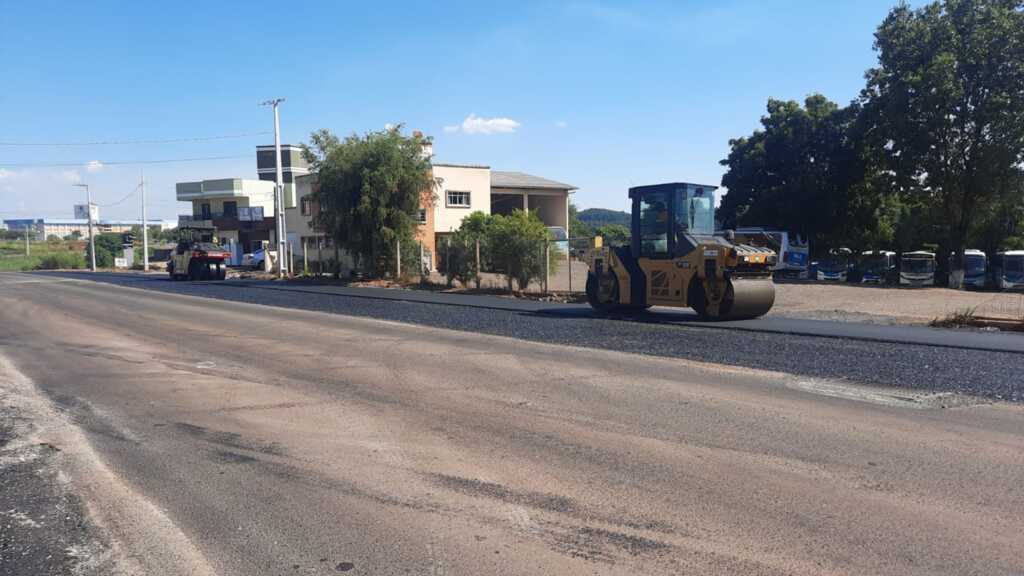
[474, 124]
[561, 124]
[94, 166]
[71, 176]
[6, 174]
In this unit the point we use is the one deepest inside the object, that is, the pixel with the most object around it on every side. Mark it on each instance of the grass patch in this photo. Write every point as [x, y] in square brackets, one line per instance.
[957, 319]
[43, 256]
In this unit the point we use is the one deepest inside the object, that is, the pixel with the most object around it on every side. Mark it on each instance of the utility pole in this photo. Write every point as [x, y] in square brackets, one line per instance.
[145, 227]
[279, 200]
[28, 250]
[92, 237]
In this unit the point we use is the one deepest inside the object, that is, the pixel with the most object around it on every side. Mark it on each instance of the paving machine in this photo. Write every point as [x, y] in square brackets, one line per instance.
[675, 259]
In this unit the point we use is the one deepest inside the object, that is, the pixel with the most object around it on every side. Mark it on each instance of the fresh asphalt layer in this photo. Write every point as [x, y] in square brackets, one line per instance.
[980, 364]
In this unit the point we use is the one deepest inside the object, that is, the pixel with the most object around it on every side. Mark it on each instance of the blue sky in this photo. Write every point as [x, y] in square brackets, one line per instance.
[600, 95]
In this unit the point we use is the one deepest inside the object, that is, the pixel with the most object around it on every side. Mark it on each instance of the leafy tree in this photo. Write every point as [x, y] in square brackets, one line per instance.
[108, 247]
[517, 244]
[805, 172]
[947, 97]
[614, 234]
[597, 217]
[369, 190]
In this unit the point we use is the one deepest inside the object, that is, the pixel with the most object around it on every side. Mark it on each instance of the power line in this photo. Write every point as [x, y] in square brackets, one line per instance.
[130, 194]
[115, 162]
[140, 141]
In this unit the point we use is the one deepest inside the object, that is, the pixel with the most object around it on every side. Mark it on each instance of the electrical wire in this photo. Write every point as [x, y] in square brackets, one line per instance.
[130, 194]
[115, 162]
[139, 141]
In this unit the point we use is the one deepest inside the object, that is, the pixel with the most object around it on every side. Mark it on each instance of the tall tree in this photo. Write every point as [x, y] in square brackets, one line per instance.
[804, 171]
[947, 97]
[369, 190]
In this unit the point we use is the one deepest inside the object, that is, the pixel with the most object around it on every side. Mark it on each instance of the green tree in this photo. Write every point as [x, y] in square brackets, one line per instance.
[804, 171]
[369, 189]
[580, 233]
[108, 247]
[517, 244]
[614, 234]
[946, 96]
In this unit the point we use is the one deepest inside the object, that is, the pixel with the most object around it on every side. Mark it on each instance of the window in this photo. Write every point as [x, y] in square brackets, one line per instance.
[457, 199]
[305, 206]
[231, 209]
[423, 215]
[205, 211]
[654, 225]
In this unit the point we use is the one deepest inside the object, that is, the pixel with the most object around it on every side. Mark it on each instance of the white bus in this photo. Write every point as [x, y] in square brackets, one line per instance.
[917, 268]
[793, 250]
[1008, 270]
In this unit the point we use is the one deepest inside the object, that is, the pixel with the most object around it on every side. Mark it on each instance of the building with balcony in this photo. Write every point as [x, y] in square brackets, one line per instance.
[241, 210]
[293, 165]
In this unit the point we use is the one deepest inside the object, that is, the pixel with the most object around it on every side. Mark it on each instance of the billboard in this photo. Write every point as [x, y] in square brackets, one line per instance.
[82, 214]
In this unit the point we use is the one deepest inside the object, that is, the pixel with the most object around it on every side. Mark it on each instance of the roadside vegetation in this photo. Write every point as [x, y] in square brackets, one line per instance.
[930, 153]
[49, 255]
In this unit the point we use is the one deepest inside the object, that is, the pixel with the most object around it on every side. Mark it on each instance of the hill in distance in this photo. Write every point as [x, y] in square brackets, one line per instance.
[596, 217]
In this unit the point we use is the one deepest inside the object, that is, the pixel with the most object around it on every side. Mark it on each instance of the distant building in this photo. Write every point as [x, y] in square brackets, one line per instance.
[43, 228]
[463, 189]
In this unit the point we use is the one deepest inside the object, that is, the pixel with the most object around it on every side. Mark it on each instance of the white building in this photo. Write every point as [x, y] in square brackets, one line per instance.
[43, 228]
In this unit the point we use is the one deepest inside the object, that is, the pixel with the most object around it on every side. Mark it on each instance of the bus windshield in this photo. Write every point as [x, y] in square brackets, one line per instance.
[918, 265]
[1013, 264]
[975, 265]
[876, 263]
[833, 264]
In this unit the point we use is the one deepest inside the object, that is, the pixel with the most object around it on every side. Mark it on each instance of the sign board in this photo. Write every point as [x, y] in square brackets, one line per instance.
[245, 214]
[120, 262]
[82, 213]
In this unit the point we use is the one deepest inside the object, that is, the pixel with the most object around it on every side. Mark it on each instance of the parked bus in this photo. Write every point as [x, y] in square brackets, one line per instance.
[1008, 270]
[975, 269]
[792, 249]
[836, 266]
[917, 268]
[877, 267]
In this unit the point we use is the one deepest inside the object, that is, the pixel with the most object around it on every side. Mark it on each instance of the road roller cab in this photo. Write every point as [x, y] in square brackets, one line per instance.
[675, 259]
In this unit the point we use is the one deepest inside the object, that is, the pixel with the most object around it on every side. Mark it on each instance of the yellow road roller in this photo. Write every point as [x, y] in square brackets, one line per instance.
[675, 259]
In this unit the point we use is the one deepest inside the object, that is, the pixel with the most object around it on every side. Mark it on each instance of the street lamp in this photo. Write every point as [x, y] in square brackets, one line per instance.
[282, 243]
[92, 237]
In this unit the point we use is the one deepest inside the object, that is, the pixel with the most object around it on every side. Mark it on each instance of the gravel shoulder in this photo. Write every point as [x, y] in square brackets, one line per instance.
[62, 510]
[889, 304]
[44, 526]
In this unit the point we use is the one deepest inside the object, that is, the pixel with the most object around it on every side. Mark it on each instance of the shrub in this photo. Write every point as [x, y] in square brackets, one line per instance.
[62, 261]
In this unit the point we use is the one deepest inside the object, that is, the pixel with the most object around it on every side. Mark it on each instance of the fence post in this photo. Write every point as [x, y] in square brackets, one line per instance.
[477, 264]
[305, 257]
[398, 258]
[547, 265]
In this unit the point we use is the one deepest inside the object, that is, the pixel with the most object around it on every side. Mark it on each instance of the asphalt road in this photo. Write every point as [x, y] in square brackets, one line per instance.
[837, 350]
[226, 438]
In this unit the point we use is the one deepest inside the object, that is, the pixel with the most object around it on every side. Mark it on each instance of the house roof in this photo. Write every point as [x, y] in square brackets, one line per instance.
[501, 179]
[451, 165]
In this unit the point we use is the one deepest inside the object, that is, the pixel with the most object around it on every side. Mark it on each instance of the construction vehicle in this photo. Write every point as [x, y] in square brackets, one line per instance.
[197, 256]
[675, 259]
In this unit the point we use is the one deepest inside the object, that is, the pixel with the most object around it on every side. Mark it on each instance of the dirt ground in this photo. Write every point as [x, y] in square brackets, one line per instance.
[888, 304]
